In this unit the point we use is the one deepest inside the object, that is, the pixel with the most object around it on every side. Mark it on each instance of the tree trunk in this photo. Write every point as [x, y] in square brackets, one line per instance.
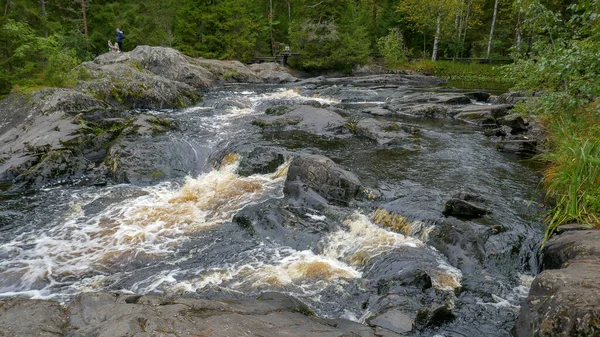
[519, 37]
[43, 6]
[289, 11]
[436, 39]
[271, 26]
[458, 24]
[6, 7]
[85, 27]
[466, 26]
[489, 48]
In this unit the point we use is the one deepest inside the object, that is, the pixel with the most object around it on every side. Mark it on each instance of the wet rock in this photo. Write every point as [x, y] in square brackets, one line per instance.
[515, 122]
[23, 317]
[478, 96]
[261, 160]
[500, 110]
[434, 316]
[383, 132]
[377, 111]
[425, 110]
[502, 131]
[325, 177]
[477, 114]
[519, 145]
[144, 155]
[305, 118]
[393, 320]
[565, 302]
[53, 167]
[465, 205]
[272, 73]
[511, 97]
[451, 99]
[291, 227]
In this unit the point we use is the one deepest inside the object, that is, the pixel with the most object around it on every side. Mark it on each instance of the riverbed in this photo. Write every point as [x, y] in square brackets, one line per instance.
[184, 237]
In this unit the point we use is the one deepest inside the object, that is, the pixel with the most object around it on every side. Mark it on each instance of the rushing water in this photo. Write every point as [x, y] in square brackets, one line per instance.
[178, 238]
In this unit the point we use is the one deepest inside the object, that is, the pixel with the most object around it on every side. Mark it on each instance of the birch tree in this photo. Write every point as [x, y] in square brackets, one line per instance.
[489, 47]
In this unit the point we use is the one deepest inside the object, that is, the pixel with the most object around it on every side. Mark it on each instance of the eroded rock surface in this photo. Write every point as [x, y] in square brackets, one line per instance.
[120, 315]
[88, 134]
[565, 301]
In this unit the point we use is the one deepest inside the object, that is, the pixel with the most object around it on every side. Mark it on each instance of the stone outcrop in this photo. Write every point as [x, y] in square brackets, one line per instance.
[323, 176]
[272, 72]
[466, 205]
[315, 120]
[120, 315]
[382, 132]
[88, 133]
[564, 299]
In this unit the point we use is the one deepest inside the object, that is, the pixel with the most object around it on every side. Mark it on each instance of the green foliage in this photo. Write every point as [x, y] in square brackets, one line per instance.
[225, 30]
[573, 176]
[392, 49]
[334, 39]
[563, 64]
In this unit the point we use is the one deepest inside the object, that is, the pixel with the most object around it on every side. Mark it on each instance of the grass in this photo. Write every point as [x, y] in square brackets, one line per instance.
[464, 75]
[572, 176]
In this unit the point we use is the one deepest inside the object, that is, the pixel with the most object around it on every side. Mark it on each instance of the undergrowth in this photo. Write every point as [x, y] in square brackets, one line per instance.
[464, 75]
[572, 175]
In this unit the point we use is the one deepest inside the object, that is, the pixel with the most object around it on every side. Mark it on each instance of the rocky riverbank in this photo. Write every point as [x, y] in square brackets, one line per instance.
[120, 315]
[564, 299]
[104, 132]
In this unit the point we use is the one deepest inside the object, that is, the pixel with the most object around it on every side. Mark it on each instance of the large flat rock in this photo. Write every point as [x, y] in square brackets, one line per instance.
[121, 315]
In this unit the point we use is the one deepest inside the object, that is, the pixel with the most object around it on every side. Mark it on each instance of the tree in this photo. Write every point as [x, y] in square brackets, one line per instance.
[426, 14]
[489, 48]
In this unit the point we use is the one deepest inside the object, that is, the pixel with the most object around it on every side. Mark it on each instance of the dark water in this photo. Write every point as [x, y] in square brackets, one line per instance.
[178, 238]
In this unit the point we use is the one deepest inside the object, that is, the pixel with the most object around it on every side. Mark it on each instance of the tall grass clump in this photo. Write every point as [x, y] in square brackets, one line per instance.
[572, 176]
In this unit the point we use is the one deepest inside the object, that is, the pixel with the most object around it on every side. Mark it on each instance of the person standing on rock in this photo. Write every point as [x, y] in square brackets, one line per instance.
[120, 38]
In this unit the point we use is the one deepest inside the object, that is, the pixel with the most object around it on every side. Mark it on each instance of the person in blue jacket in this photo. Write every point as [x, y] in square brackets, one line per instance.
[120, 38]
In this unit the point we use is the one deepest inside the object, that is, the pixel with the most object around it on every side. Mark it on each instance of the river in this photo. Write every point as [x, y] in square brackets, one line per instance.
[178, 238]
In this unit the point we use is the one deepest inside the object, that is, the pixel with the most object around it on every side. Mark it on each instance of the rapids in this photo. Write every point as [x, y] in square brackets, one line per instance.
[178, 238]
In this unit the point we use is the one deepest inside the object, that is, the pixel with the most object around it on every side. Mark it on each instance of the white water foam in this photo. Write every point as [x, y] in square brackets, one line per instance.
[137, 231]
[305, 273]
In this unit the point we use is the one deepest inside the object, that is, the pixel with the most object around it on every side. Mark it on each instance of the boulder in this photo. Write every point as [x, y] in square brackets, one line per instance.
[465, 205]
[565, 302]
[519, 145]
[272, 72]
[382, 132]
[307, 118]
[515, 122]
[425, 110]
[451, 99]
[287, 227]
[325, 177]
[478, 96]
[261, 160]
[143, 155]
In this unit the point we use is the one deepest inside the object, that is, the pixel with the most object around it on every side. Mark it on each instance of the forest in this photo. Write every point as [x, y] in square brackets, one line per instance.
[554, 47]
[42, 40]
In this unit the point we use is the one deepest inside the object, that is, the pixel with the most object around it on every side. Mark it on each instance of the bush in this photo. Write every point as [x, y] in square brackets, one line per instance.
[392, 49]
